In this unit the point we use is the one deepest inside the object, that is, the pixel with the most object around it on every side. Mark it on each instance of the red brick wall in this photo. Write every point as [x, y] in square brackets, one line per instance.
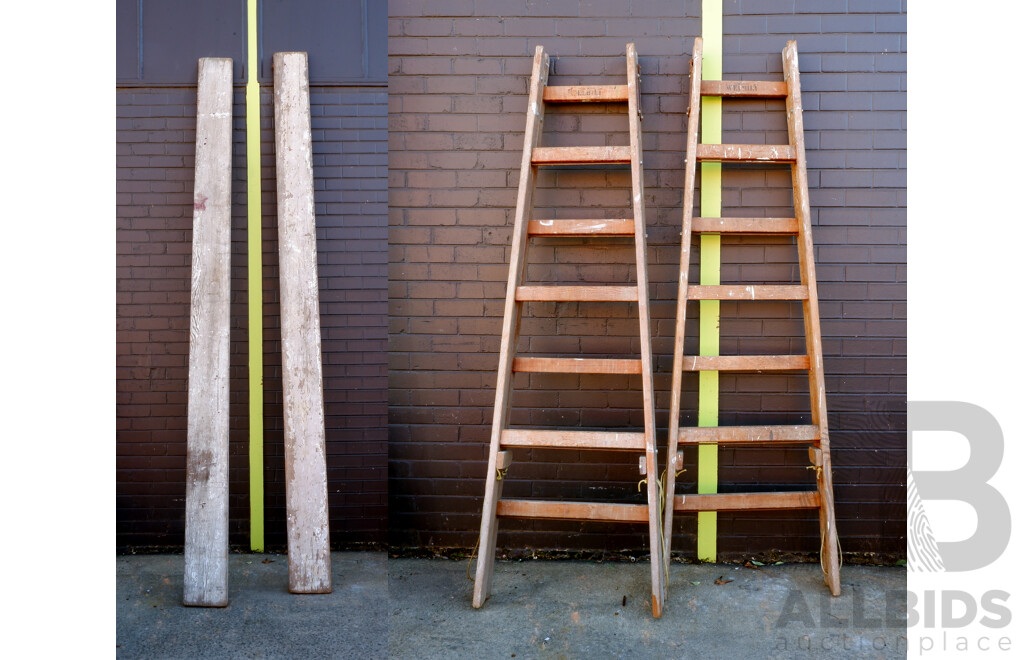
[458, 75]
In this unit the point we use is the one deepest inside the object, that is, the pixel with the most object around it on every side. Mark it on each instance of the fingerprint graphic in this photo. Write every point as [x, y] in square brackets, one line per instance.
[922, 550]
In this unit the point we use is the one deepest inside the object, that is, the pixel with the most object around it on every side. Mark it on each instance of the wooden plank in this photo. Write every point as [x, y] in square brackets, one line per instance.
[744, 88]
[576, 293]
[510, 327]
[689, 178]
[540, 365]
[617, 227]
[747, 501]
[745, 225]
[744, 362]
[309, 552]
[612, 440]
[747, 292]
[746, 153]
[654, 494]
[748, 434]
[580, 155]
[812, 322]
[635, 513]
[585, 93]
[206, 465]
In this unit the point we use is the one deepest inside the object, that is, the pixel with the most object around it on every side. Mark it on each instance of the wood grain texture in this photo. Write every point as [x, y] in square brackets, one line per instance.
[747, 501]
[812, 319]
[744, 88]
[617, 227]
[746, 153]
[547, 365]
[581, 155]
[745, 225]
[605, 440]
[309, 558]
[510, 326]
[585, 94]
[747, 292]
[635, 513]
[206, 468]
[744, 362]
[574, 293]
[748, 434]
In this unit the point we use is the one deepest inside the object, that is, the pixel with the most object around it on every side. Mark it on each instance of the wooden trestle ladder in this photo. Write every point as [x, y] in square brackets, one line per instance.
[816, 434]
[524, 227]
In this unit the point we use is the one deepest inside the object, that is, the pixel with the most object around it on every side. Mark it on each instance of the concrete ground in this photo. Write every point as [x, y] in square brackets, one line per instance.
[262, 619]
[420, 608]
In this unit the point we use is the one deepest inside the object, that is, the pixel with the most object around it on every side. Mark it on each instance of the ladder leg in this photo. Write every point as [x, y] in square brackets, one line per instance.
[684, 276]
[510, 328]
[812, 322]
[654, 494]
[827, 519]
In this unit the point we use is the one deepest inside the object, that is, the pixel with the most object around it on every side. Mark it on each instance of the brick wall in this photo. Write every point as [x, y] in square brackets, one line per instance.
[155, 159]
[458, 76]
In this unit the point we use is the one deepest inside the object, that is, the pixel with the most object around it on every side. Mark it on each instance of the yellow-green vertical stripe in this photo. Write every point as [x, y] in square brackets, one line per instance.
[255, 248]
[710, 274]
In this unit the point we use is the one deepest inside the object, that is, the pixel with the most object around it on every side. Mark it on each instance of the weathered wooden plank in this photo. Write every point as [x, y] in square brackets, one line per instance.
[812, 321]
[580, 155]
[747, 501]
[309, 557]
[748, 434]
[576, 293]
[637, 513]
[510, 326]
[585, 94]
[611, 440]
[747, 292]
[689, 176]
[617, 227]
[744, 88]
[747, 153]
[745, 225]
[576, 365]
[206, 467]
[744, 362]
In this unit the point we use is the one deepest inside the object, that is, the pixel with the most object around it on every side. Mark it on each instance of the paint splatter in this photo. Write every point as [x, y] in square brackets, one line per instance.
[200, 203]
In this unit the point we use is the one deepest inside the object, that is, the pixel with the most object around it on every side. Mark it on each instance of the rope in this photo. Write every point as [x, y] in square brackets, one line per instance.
[470, 562]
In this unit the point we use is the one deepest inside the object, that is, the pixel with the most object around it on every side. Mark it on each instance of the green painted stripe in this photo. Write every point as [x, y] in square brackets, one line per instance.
[710, 274]
[255, 248]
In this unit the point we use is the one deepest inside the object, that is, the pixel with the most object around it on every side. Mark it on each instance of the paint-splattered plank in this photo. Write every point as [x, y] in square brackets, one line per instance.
[309, 558]
[206, 471]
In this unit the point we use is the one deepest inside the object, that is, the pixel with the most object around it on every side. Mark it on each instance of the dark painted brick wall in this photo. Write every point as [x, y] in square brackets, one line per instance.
[155, 161]
[458, 81]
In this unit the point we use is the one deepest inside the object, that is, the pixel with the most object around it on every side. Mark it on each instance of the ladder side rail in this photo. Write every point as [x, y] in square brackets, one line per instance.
[812, 323]
[510, 324]
[643, 305]
[692, 128]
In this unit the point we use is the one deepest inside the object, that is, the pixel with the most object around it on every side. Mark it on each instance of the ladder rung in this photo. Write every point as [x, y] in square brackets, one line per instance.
[572, 510]
[618, 227]
[747, 292]
[745, 362]
[746, 153]
[586, 93]
[748, 434]
[576, 365]
[744, 88]
[580, 155]
[572, 439]
[580, 293]
[802, 499]
[745, 225]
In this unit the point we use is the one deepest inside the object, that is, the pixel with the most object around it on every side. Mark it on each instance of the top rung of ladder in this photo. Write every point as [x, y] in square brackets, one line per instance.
[586, 94]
